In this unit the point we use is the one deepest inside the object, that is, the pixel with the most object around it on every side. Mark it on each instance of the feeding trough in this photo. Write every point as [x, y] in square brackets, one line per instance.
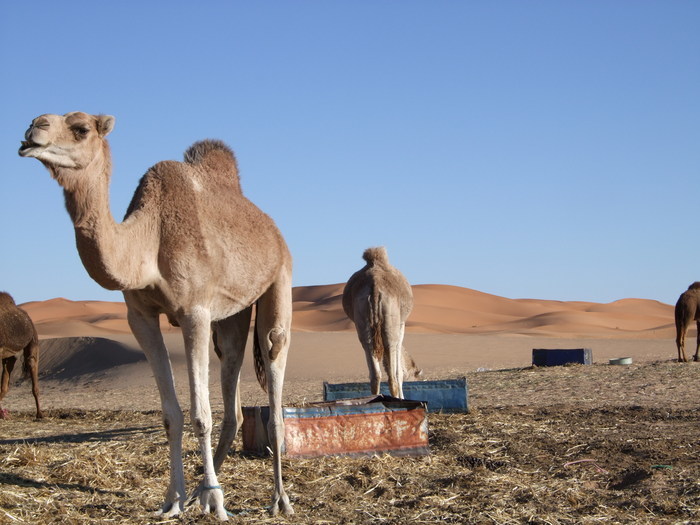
[445, 395]
[561, 356]
[352, 427]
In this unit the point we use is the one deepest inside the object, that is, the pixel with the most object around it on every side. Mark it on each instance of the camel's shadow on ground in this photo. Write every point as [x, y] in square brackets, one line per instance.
[122, 434]
[19, 481]
[85, 437]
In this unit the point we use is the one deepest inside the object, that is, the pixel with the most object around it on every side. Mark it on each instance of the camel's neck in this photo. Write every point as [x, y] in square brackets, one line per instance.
[106, 248]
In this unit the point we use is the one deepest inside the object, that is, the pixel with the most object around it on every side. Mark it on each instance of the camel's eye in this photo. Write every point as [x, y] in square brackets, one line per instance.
[81, 131]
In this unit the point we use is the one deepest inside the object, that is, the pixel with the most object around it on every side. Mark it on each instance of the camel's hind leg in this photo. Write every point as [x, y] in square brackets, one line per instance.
[230, 335]
[681, 328]
[366, 333]
[8, 364]
[392, 335]
[375, 371]
[697, 344]
[274, 325]
[31, 365]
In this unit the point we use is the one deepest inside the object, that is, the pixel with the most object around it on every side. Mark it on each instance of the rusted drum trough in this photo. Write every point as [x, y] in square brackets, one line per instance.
[352, 427]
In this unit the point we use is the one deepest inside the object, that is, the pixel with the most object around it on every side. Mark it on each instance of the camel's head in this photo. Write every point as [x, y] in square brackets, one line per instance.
[70, 141]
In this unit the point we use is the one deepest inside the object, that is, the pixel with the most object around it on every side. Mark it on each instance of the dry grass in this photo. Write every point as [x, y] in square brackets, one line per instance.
[535, 461]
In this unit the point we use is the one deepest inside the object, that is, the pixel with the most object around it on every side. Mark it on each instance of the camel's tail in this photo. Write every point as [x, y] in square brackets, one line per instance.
[257, 356]
[376, 325]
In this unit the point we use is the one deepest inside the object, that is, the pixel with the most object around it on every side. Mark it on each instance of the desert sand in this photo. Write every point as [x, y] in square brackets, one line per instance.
[90, 359]
[565, 444]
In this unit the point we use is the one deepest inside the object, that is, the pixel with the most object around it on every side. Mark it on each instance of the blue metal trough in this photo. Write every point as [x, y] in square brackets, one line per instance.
[445, 395]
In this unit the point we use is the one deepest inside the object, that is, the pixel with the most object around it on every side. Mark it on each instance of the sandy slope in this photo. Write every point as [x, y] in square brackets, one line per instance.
[450, 332]
[438, 309]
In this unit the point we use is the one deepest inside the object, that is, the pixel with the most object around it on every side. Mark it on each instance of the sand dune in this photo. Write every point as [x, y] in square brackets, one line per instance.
[69, 357]
[438, 309]
[451, 331]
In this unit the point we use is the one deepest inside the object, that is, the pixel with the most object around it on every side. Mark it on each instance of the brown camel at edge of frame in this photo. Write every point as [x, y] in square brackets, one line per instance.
[378, 299]
[193, 247]
[18, 334]
[687, 310]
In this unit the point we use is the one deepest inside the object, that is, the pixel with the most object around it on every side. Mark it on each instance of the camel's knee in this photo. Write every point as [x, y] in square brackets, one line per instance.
[275, 432]
[201, 426]
[279, 340]
[173, 422]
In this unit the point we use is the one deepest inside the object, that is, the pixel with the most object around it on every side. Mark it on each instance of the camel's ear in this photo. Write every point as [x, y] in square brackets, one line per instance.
[105, 124]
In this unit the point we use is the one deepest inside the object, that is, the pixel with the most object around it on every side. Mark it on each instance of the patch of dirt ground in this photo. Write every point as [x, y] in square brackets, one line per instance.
[561, 445]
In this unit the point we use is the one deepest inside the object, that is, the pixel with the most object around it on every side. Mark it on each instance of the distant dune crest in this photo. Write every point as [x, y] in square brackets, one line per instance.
[437, 309]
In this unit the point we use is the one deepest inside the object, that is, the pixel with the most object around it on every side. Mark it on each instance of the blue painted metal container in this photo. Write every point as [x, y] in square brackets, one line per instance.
[558, 357]
[445, 395]
[353, 427]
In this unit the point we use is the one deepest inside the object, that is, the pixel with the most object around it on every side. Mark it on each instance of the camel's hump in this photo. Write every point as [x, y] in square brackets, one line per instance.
[199, 151]
[377, 255]
[6, 299]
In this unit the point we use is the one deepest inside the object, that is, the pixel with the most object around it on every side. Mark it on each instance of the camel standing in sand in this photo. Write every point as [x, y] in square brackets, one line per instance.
[378, 299]
[193, 247]
[18, 334]
[687, 310]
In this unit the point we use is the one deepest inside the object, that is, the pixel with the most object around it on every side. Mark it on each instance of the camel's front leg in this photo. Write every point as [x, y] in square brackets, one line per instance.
[697, 344]
[146, 329]
[230, 339]
[7, 365]
[196, 329]
[274, 319]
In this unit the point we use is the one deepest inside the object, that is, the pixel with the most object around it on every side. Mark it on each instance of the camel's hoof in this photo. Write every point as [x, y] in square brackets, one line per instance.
[211, 500]
[282, 505]
[169, 511]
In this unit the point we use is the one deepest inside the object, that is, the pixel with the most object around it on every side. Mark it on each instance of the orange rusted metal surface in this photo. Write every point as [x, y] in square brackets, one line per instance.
[352, 427]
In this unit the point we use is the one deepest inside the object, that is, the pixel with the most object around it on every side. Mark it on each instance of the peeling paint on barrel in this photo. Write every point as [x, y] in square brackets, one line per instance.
[356, 430]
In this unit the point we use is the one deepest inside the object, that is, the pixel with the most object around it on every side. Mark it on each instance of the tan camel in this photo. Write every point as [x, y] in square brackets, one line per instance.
[193, 247]
[378, 299]
[18, 334]
[687, 311]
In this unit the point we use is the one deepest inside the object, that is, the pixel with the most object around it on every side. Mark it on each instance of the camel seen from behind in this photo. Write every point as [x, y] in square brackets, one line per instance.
[192, 247]
[687, 310]
[18, 334]
[378, 299]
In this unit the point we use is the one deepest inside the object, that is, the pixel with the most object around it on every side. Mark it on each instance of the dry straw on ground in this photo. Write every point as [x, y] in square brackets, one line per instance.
[537, 456]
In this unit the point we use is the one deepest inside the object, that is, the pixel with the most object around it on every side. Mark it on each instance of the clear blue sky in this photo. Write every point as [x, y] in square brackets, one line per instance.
[541, 149]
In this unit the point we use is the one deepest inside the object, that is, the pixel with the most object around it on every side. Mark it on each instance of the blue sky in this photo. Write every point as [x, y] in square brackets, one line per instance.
[540, 149]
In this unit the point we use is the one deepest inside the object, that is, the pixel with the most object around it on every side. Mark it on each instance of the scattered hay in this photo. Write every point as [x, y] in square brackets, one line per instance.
[555, 465]
[538, 457]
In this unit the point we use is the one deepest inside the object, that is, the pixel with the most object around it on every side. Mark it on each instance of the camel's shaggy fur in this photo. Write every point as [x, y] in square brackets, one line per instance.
[18, 334]
[687, 311]
[194, 248]
[378, 299]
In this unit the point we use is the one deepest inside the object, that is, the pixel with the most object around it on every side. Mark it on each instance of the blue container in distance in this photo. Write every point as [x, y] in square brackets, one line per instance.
[561, 356]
